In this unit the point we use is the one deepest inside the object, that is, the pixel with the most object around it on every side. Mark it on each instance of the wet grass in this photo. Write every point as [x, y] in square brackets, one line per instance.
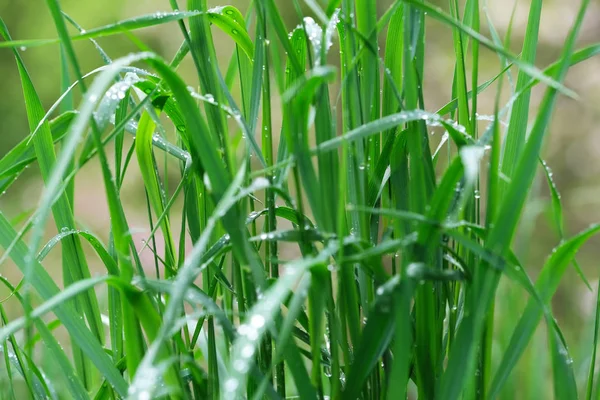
[343, 253]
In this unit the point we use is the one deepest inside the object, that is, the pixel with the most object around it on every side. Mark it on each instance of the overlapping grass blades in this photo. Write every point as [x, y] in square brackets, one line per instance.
[351, 262]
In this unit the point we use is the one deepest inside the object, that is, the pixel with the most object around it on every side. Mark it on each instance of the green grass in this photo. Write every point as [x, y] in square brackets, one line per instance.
[344, 253]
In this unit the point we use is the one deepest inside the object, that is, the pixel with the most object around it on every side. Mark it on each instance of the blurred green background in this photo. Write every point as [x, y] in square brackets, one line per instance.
[572, 150]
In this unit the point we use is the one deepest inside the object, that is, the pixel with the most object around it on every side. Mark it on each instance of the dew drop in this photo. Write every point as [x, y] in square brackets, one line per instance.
[240, 366]
[145, 395]
[243, 329]
[257, 321]
[252, 334]
[207, 182]
[231, 384]
[247, 351]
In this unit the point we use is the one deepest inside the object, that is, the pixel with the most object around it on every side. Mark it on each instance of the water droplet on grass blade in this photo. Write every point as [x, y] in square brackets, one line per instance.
[248, 351]
[240, 366]
[471, 157]
[231, 384]
[207, 182]
[210, 98]
[252, 334]
[243, 329]
[144, 395]
[257, 321]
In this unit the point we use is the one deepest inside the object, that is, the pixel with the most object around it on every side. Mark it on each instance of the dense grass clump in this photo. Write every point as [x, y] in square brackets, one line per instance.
[344, 253]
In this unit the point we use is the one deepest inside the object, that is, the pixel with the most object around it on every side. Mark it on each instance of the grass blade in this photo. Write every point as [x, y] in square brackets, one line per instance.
[45, 286]
[546, 286]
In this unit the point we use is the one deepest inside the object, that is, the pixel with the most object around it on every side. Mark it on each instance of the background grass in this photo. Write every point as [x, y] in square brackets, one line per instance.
[301, 233]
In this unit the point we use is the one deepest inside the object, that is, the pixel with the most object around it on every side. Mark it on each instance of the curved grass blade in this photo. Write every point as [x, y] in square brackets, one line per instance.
[71, 380]
[75, 267]
[565, 386]
[15, 357]
[23, 154]
[527, 68]
[192, 266]
[60, 299]
[259, 319]
[462, 355]
[231, 21]
[127, 25]
[96, 244]
[546, 285]
[55, 183]
[557, 213]
[143, 148]
[206, 158]
[46, 287]
[391, 121]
